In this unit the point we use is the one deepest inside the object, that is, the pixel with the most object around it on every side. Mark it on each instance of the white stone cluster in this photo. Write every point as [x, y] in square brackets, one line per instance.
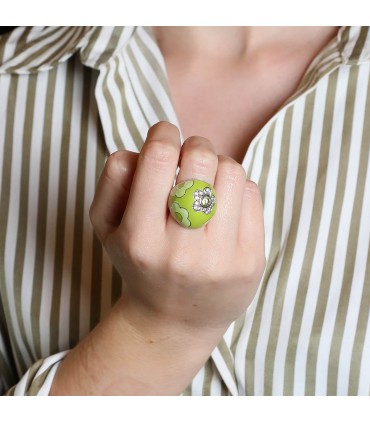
[204, 200]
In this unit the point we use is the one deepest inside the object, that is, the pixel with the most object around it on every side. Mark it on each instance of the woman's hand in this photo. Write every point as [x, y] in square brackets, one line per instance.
[201, 279]
[183, 287]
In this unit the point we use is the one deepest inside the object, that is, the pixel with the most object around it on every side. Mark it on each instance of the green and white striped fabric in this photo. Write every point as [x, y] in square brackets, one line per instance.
[69, 96]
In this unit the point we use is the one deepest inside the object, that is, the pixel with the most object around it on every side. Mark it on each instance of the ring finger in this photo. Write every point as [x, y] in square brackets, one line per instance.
[198, 160]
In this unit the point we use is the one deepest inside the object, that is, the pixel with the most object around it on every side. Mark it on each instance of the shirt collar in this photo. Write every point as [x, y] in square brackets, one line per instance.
[354, 44]
[35, 49]
[28, 50]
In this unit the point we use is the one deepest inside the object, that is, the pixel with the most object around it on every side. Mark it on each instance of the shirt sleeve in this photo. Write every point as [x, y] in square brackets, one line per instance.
[39, 377]
[37, 380]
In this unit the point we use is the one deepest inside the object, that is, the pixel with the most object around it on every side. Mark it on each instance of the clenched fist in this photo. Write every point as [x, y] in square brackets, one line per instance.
[203, 278]
[183, 288]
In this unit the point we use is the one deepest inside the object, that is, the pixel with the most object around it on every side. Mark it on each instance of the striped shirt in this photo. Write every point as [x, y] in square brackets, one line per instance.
[70, 96]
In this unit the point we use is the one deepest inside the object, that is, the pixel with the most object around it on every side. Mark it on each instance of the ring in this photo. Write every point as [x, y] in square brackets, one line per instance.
[192, 203]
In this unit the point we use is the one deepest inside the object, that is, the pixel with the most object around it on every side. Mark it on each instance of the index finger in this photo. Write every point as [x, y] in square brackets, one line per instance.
[153, 179]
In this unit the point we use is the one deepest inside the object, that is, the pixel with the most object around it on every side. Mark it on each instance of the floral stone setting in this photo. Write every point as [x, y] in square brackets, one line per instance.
[192, 203]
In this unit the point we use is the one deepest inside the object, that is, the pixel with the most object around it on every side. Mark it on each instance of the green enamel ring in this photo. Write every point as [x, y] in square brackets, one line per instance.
[192, 203]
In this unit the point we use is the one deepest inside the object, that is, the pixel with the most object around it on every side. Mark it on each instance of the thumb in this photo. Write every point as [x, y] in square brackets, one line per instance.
[112, 192]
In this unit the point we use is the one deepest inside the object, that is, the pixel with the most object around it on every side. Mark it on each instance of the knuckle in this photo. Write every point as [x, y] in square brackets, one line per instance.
[231, 169]
[135, 250]
[201, 157]
[160, 152]
[252, 187]
[180, 261]
[177, 268]
[163, 128]
[195, 140]
[115, 165]
[255, 266]
[214, 274]
[252, 192]
[184, 264]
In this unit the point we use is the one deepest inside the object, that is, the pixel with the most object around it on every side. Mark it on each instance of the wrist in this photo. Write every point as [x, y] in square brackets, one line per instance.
[132, 352]
[153, 327]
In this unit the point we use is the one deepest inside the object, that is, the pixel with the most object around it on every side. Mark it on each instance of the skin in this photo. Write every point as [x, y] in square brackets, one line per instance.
[254, 68]
[183, 288]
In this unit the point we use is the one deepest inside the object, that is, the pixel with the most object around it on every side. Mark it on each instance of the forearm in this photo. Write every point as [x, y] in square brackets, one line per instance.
[120, 357]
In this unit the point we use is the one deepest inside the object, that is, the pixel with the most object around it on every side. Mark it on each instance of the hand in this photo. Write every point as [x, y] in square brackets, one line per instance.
[199, 279]
[183, 286]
